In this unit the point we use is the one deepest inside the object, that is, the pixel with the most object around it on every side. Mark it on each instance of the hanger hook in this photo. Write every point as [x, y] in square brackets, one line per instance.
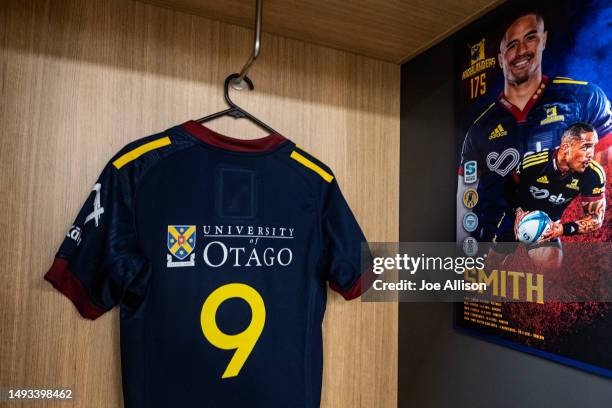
[234, 110]
[239, 83]
[228, 80]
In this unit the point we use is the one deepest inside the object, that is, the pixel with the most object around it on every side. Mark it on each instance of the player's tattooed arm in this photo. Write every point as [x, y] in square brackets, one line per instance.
[594, 212]
[593, 220]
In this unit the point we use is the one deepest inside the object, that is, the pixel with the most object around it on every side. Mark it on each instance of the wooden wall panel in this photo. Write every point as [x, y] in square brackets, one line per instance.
[393, 31]
[81, 78]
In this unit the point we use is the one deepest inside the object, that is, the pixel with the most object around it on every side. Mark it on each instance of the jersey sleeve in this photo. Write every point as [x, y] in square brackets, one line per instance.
[345, 254]
[510, 189]
[99, 259]
[468, 151]
[597, 111]
[593, 185]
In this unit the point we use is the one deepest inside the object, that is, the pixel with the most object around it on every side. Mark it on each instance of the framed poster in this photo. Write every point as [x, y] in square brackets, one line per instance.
[534, 131]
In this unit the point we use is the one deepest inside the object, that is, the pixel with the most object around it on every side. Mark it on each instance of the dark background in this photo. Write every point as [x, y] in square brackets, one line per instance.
[439, 366]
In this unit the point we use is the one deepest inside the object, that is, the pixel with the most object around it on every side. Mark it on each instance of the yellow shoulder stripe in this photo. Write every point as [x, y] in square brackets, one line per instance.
[595, 166]
[533, 163]
[140, 150]
[533, 157]
[599, 166]
[569, 81]
[483, 113]
[312, 166]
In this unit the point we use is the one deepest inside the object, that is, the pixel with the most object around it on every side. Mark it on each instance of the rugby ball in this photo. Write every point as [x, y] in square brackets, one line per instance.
[533, 226]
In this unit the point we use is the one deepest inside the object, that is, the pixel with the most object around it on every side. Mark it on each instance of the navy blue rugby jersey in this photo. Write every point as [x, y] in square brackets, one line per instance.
[539, 185]
[218, 251]
[503, 134]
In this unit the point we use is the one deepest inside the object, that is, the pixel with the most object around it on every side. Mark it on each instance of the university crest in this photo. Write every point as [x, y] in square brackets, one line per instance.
[180, 242]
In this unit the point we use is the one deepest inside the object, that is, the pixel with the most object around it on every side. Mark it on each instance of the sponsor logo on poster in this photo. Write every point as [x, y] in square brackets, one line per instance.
[470, 198]
[470, 246]
[470, 172]
[470, 222]
[551, 116]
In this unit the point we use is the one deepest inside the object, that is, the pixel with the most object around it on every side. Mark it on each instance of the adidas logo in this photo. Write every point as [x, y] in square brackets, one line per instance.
[499, 131]
[543, 180]
[573, 185]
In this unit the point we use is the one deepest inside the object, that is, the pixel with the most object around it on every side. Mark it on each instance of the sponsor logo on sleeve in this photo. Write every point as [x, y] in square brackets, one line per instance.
[470, 198]
[470, 246]
[470, 222]
[74, 233]
[98, 209]
[470, 172]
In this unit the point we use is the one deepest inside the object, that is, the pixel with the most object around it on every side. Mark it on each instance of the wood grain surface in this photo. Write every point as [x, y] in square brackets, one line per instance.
[81, 78]
[390, 30]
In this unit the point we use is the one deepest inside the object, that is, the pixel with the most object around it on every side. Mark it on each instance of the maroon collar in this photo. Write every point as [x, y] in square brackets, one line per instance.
[213, 138]
[521, 115]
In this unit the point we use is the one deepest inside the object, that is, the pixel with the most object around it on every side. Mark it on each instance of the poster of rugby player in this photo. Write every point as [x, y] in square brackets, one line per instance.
[534, 132]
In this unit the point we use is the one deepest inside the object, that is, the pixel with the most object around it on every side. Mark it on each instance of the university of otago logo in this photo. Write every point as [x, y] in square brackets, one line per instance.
[181, 243]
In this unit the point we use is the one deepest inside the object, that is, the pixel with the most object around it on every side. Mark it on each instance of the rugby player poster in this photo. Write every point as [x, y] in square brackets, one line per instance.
[534, 134]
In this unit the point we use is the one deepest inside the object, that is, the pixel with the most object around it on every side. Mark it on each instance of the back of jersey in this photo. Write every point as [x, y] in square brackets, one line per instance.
[218, 251]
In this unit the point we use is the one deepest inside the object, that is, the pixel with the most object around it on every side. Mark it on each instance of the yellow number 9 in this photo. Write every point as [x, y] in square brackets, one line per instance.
[244, 341]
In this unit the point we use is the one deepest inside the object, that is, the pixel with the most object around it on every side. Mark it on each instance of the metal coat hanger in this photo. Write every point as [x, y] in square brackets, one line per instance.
[241, 81]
